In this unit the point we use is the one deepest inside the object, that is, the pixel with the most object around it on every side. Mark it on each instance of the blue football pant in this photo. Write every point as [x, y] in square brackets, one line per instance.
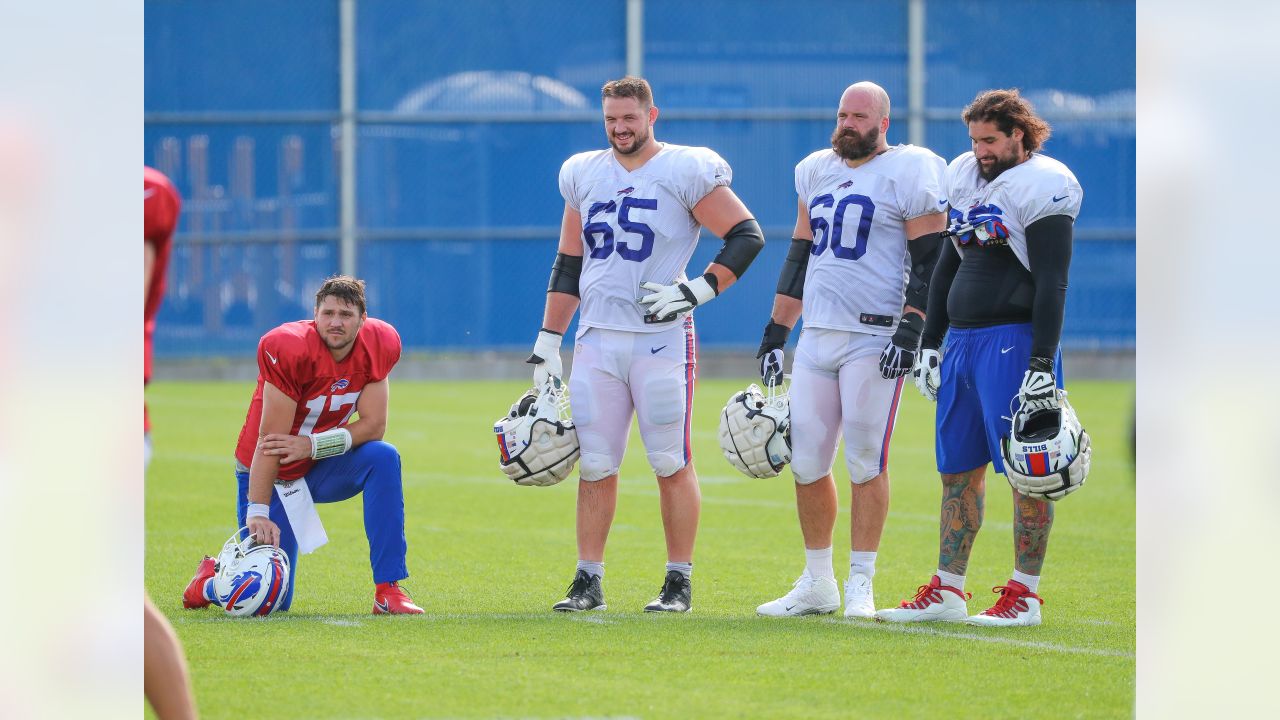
[982, 371]
[372, 469]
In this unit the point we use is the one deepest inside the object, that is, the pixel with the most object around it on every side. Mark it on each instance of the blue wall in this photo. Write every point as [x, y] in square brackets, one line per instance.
[466, 111]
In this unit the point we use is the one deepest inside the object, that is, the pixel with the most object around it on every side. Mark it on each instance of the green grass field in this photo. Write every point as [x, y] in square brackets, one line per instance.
[487, 559]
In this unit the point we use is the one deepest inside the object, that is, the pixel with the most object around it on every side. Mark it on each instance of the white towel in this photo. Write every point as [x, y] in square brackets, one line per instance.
[301, 509]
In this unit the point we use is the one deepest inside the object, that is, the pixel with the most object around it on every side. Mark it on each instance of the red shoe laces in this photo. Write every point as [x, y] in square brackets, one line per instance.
[927, 595]
[1011, 601]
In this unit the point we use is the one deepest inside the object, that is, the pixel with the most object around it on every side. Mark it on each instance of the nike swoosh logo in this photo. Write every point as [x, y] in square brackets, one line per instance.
[383, 606]
[655, 351]
[1056, 199]
[789, 609]
[1005, 350]
[273, 357]
[942, 202]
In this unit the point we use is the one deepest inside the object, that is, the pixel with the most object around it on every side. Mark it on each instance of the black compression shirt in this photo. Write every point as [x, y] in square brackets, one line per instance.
[990, 287]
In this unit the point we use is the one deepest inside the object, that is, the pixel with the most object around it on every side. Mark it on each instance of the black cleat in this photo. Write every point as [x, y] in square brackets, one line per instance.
[584, 594]
[676, 594]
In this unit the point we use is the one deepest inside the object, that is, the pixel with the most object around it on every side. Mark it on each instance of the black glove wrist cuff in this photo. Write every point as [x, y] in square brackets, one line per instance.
[1040, 364]
[713, 281]
[775, 337]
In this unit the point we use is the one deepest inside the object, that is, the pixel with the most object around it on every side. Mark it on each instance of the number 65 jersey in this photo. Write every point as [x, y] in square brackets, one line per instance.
[636, 227]
[295, 359]
[858, 268]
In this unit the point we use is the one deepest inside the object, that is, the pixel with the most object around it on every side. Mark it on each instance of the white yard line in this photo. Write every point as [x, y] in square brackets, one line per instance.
[935, 631]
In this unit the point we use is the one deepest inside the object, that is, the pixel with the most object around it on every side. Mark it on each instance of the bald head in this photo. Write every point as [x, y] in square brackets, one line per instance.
[861, 123]
[867, 92]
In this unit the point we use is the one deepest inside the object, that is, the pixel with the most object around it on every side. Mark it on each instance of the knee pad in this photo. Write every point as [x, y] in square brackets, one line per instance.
[863, 464]
[665, 464]
[596, 466]
[807, 473]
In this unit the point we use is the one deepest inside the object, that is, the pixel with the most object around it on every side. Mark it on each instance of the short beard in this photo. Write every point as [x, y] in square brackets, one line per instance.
[997, 167]
[636, 145]
[851, 145]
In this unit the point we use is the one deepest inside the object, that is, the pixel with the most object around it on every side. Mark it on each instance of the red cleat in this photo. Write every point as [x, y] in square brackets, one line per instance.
[391, 599]
[193, 597]
[1017, 606]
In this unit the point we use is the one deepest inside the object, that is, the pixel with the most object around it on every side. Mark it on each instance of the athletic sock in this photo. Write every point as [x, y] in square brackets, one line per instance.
[863, 563]
[685, 569]
[1031, 581]
[951, 579]
[818, 562]
[208, 593]
[592, 568]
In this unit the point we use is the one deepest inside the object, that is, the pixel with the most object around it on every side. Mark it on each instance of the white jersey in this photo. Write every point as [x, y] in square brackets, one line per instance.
[858, 270]
[1019, 196]
[636, 227]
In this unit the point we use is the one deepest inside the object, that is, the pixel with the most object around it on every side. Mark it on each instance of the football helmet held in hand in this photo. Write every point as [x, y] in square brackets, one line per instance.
[250, 579]
[755, 430]
[537, 443]
[1047, 453]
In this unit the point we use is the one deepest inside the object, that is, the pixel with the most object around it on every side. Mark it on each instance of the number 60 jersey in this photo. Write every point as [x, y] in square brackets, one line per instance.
[636, 226]
[294, 358]
[857, 275]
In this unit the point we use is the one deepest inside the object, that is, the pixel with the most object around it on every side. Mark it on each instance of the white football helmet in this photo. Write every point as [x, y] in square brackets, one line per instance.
[537, 443]
[250, 579]
[1047, 453]
[755, 430]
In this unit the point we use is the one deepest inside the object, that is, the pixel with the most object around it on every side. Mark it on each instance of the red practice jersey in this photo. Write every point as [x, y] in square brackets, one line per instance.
[160, 205]
[294, 358]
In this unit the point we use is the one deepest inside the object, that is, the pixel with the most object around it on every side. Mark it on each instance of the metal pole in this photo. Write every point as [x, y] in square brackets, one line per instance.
[347, 183]
[915, 72]
[635, 37]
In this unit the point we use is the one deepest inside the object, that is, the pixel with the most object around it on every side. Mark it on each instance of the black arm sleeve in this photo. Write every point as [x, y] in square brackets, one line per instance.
[1049, 254]
[564, 274]
[791, 279]
[924, 255]
[741, 245]
[944, 271]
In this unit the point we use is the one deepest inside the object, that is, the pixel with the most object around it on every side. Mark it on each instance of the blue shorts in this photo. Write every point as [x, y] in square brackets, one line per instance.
[982, 371]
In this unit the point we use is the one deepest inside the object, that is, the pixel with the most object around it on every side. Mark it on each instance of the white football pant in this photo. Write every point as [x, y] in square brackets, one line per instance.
[836, 389]
[615, 372]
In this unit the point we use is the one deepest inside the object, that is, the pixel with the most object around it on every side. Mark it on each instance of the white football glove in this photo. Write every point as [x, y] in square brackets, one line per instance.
[665, 302]
[546, 357]
[928, 373]
[1039, 389]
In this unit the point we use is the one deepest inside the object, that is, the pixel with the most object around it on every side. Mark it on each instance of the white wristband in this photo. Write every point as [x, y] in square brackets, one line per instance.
[330, 443]
[258, 510]
[701, 290]
[547, 343]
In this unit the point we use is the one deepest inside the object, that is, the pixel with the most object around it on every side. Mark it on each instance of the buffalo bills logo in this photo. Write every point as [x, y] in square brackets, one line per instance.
[243, 587]
[844, 184]
[981, 225]
[340, 385]
[626, 191]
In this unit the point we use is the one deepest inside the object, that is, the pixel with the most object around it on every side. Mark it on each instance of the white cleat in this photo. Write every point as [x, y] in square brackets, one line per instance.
[859, 599]
[809, 596]
[1017, 606]
[934, 602]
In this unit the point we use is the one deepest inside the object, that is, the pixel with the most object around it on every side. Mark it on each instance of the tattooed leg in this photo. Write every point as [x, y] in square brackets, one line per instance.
[1032, 520]
[962, 506]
